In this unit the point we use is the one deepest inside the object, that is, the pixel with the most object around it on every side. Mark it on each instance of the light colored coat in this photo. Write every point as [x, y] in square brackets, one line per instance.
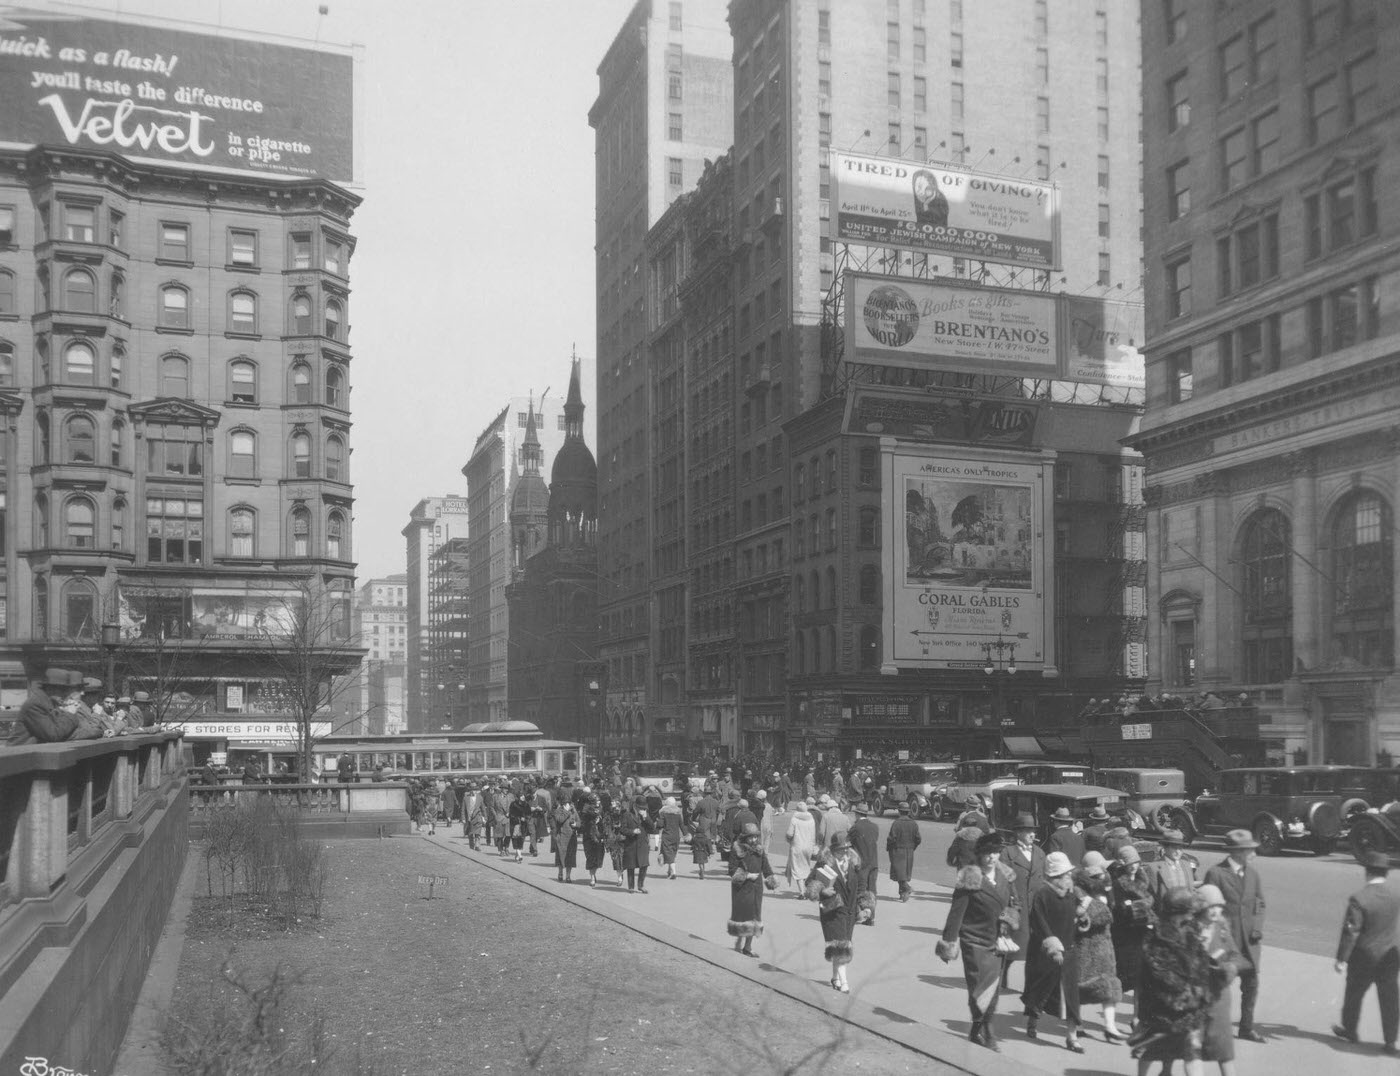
[802, 846]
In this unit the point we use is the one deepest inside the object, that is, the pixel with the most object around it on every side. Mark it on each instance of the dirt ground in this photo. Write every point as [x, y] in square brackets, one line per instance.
[493, 976]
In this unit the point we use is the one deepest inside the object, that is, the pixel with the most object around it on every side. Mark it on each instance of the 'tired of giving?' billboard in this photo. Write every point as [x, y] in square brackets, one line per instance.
[175, 96]
[887, 202]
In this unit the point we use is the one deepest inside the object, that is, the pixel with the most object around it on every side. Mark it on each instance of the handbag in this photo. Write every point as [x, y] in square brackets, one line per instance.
[833, 903]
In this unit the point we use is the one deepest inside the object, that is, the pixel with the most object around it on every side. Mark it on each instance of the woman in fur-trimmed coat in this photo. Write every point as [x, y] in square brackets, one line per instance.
[749, 873]
[670, 817]
[835, 884]
[1174, 992]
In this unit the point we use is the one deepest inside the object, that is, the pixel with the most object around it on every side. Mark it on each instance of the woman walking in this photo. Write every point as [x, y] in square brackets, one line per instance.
[670, 818]
[615, 837]
[1052, 962]
[1217, 1037]
[1174, 991]
[1131, 902]
[564, 828]
[636, 851]
[703, 819]
[1098, 967]
[835, 884]
[518, 814]
[802, 846]
[593, 829]
[654, 802]
[979, 925]
[749, 873]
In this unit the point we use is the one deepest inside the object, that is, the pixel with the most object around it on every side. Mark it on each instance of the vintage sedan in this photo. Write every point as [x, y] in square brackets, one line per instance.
[1158, 796]
[1282, 806]
[1052, 773]
[919, 784]
[973, 782]
[1042, 801]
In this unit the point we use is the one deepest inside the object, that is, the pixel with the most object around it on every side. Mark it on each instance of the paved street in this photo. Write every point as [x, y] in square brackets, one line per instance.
[901, 990]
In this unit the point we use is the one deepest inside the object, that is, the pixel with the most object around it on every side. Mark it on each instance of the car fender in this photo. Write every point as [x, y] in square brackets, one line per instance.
[1268, 816]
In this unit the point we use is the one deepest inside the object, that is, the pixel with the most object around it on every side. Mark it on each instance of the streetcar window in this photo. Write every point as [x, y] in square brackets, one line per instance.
[527, 760]
[571, 761]
[476, 760]
[512, 761]
[551, 761]
[493, 760]
[364, 761]
[459, 760]
[439, 760]
[401, 761]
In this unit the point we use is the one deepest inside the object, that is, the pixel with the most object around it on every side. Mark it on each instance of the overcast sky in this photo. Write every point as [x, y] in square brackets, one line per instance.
[473, 274]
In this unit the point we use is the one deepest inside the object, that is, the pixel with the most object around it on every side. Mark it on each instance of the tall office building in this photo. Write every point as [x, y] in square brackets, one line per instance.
[449, 627]
[175, 360]
[432, 522]
[664, 106]
[493, 470]
[1273, 387]
[374, 700]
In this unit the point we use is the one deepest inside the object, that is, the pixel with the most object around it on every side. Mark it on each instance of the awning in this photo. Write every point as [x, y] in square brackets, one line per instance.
[1023, 746]
[1064, 745]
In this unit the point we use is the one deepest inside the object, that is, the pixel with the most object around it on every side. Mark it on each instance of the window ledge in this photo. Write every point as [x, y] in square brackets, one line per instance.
[236, 480]
[174, 331]
[234, 267]
[246, 405]
[235, 334]
[182, 263]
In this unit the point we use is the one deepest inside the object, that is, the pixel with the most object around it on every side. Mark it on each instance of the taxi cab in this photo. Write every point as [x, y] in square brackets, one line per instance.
[1042, 801]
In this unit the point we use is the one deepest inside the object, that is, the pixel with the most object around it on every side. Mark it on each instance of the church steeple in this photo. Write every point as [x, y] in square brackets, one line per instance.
[573, 481]
[573, 406]
[529, 505]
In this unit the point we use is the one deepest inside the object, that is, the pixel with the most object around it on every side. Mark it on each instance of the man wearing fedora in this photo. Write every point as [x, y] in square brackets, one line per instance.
[43, 717]
[865, 839]
[1175, 870]
[1027, 863]
[1369, 952]
[1237, 879]
[900, 844]
[1097, 830]
[1064, 838]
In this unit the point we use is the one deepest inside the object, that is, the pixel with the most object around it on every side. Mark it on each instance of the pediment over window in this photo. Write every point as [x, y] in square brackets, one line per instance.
[11, 403]
[1179, 603]
[172, 410]
[1345, 164]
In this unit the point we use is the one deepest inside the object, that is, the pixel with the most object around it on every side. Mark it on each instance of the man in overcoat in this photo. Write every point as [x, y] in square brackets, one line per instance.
[1064, 838]
[1369, 952]
[903, 838]
[1175, 870]
[865, 839]
[1237, 879]
[1027, 862]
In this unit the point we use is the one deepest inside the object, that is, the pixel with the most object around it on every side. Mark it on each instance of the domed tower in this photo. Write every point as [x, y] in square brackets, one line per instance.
[529, 505]
[573, 481]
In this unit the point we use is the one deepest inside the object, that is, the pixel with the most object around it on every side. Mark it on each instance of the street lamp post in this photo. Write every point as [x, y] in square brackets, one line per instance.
[1003, 664]
[111, 641]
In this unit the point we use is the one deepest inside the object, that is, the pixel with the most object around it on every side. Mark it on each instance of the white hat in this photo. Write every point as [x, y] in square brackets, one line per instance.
[1056, 864]
[670, 801]
[760, 794]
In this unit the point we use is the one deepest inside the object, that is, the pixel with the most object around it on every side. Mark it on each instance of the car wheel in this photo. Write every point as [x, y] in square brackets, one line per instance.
[936, 809]
[914, 809]
[1366, 837]
[1162, 817]
[1269, 838]
[877, 806]
[1181, 820]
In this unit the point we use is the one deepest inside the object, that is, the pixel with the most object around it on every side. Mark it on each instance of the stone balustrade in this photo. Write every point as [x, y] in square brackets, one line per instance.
[377, 809]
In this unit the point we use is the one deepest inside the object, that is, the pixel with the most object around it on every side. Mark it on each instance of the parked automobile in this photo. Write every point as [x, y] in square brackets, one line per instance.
[972, 784]
[1158, 796]
[1364, 787]
[1282, 806]
[919, 784]
[1042, 801]
[1053, 773]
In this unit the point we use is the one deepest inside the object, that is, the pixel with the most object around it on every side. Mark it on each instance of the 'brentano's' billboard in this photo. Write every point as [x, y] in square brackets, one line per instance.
[882, 201]
[965, 558]
[904, 321]
[175, 96]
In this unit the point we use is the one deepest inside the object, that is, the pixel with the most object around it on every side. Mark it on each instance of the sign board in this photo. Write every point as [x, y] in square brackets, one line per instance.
[932, 325]
[935, 209]
[428, 882]
[1101, 342]
[1137, 732]
[235, 731]
[964, 557]
[998, 422]
[167, 95]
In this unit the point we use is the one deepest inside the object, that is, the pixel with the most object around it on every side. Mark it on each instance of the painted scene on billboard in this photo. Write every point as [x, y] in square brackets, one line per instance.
[967, 560]
[175, 96]
[882, 201]
[1102, 338]
[929, 325]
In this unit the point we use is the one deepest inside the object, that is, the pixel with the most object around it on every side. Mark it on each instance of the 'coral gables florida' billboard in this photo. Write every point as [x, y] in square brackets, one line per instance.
[964, 557]
[176, 96]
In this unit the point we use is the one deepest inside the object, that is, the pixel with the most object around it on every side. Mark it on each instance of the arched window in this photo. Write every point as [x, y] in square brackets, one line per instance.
[831, 601]
[799, 540]
[242, 454]
[7, 364]
[799, 484]
[816, 587]
[336, 546]
[117, 362]
[79, 292]
[799, 654]
[41, 437]
[79, 363]
[301, 532]
[301, 455]
[831, 470]
[41, 607]
[831, 663]
[334, 313]
[41, 521]
[869, 647]
[814, 533]
[301, 383]
[116, 304]
[335, 459]
[1267, 629]
[799, 594]
[869, 585]
[830, 529]
[301, 315]
[174, 307]
[119, 525]
[41, 360]
[241, 532]
[335, 386]
[242, 382]
[79, 440]
[79, 609]
[175, 376]
[115, 441]
[78, 521]
[7, 292]
[243, 312]
[1363, 611]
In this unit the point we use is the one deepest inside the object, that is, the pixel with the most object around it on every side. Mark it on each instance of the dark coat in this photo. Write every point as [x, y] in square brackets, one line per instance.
[903, 838]
[1244, 907]
[1369, 928]
[1098, 968]
[632, 830]
[1067, 841]
[1218, 1035]
[1094, 836]
[1029, 875]
[748, 870]
[1053, 916]
[1175, 991]
[962, 852]
[1133, 917]
[980, 908]
[42, 722]
[1164, 876]
[865, 839]
[838, 912]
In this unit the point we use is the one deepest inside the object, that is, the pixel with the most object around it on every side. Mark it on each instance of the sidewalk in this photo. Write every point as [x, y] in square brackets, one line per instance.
[902, 992]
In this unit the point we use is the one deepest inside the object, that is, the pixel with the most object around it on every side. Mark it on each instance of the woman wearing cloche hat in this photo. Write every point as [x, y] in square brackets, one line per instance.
[1052, 962]
[1175, 989]
[835, 884]
[749, 873]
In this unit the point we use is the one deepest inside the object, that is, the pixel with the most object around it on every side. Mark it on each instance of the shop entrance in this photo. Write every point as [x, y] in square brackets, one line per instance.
[1346, 732]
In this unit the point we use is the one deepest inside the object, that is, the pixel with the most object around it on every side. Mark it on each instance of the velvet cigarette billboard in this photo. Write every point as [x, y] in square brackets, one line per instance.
[927, 324]
[965, 558]
[171, 95]
[1102, 338]
[929, 209]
